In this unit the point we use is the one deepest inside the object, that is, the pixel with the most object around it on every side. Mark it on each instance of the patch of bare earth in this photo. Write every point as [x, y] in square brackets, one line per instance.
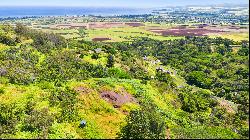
[186, 32]
[134, 24]
[225, 104]
[117, 100]
[105, 25]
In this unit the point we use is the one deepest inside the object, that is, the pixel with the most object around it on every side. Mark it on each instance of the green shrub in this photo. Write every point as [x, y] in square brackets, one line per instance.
[118, 73]
[39, 121]
[199, 79]
[198, 101]
[111, 61]
[145, 123]
[66, 99]
[2, 91]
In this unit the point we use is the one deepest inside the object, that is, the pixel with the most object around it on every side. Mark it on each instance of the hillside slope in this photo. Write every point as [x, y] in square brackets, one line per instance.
[48, 85]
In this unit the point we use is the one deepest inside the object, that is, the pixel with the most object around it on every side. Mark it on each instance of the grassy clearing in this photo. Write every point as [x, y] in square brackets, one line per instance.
[120, 34]
[66, 33]
[233, 36]
[124, 34]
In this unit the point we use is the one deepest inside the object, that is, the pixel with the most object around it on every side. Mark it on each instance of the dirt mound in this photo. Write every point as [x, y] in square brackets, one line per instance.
[100, 39]
[117, 100]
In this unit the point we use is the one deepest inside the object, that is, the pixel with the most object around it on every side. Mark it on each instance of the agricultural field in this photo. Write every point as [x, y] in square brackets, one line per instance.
[122, 29]
[110, 32]
[233, 36]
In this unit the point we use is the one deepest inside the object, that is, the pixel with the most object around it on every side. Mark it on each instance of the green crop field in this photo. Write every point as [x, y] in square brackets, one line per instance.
[124, 34]
[233, 36]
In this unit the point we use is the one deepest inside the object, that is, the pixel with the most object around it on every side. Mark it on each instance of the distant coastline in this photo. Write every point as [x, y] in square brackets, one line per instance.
[35, 11]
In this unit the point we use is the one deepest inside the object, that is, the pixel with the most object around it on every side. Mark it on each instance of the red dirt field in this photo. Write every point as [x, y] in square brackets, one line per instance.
[117, 100]
[180, 27]
[113, 24]
[96, 25]
[105, 25]
[185, 32]
[100, 39]
[134, 24]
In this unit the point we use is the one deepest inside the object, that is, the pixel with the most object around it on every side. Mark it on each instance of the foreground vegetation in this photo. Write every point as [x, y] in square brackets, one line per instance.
[192, 87]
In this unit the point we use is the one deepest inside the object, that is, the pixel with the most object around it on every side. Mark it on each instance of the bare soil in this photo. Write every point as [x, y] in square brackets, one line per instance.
[117, 100]
[105, 25]
[182, 31]
[134, 24]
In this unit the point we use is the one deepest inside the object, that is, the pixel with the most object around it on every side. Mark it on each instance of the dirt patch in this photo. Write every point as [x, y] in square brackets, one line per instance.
[185, 32]
[180, 27]
[105, 25]
[96, 25]
[134, 24]
[232, 29]
[225, 104]
[117, 100]
[100, 39]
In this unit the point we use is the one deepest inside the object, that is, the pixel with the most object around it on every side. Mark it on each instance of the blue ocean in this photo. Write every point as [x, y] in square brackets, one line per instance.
[62, 11]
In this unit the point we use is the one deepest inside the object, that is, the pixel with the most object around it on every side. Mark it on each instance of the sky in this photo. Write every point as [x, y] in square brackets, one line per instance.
[116, 3]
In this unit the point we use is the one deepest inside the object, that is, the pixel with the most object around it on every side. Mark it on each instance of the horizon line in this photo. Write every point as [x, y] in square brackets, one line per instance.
[118, 6]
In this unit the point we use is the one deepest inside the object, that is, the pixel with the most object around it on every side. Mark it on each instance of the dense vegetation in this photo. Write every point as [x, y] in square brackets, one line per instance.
[195, 87]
